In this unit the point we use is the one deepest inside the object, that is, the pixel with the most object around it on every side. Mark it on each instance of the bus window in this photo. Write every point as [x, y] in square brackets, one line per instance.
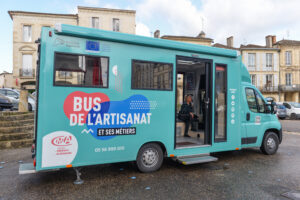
[260, 103]
[151, 75]
[220, 102]
[80, 70]
[250, 94]
[255, 101]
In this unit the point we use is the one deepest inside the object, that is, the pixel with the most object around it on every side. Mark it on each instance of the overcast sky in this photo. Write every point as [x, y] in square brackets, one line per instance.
[249, 21]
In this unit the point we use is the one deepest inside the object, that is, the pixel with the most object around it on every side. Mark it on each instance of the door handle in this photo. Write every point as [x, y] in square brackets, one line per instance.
[248, 116]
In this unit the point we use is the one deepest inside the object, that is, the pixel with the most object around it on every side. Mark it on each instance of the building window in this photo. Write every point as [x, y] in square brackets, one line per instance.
[288, 79]
[151, 75]
[251, 59]
[269, 60]
[27, 33]
[288, 58]
[80, 70]
[253, 79]
[116, 24]
[26, 66]
[269, 79]
[95, 22]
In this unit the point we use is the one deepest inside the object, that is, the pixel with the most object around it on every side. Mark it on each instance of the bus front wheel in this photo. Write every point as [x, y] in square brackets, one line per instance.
[270, 143]
[150, 158]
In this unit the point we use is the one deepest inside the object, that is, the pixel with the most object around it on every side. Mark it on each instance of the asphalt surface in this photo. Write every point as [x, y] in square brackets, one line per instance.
[290, 125]
[245, 174]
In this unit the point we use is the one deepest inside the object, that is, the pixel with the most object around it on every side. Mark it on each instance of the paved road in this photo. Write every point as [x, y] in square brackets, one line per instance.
[290, 125]
[245, 174]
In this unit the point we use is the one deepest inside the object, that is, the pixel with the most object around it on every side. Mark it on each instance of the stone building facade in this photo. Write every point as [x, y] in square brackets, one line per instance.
[262, 63]
[6, 80]
[199, 39]
[289, 69]
[27, 27]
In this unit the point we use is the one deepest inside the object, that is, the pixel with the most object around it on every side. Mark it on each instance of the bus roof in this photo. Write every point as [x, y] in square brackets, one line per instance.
[83, 32]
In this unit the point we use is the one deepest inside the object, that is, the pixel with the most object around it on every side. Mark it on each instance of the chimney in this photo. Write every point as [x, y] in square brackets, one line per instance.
[273, 39]
[157, 34]
[201, 35]
[230, 42]
[269, 40]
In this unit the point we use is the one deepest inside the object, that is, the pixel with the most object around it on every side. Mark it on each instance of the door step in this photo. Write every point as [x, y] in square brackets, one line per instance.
[27, 168]
[196, 160]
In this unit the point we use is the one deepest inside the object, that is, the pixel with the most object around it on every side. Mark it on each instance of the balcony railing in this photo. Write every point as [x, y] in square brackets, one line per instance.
[269, 88]
[290, 88]
[27, 73]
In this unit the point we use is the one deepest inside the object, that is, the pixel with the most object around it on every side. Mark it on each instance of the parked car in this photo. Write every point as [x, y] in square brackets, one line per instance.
[34, 94]
[281, 111]
[292, 109]
[14, 96]
[5, 103]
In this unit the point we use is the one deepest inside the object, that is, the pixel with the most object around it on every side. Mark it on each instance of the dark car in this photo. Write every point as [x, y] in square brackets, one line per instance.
[281, 111]
[5, 103]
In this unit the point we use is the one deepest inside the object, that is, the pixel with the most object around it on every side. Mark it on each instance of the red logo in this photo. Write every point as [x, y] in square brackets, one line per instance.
[62, 141]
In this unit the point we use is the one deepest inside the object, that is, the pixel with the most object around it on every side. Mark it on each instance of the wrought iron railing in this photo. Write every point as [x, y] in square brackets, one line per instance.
[27, 73]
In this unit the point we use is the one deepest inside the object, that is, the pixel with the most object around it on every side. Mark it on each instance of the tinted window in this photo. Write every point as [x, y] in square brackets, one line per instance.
[11, 94]
[260, 103]
[250, 95]
[151, 75]
[220, 102]
[281, 107]
[255, 101]
[2, 92]
[296, 105]
[80, 70]
[287, 105]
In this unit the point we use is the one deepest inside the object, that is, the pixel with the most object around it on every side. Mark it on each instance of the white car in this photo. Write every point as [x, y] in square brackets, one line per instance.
[14, 96]
[292, 109]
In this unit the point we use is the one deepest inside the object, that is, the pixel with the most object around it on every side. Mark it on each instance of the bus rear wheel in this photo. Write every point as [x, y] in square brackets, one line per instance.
[149, 158]
[270, 143]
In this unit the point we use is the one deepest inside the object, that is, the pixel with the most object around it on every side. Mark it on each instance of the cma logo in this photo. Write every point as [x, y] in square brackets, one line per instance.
[62, 141]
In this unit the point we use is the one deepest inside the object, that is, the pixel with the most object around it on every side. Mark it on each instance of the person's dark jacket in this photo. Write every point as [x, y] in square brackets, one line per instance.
[185, 110]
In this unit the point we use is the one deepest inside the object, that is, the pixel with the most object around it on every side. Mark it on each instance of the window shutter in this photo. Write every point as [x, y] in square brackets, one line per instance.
[275, 80]
[264, 62]
[275, 56]
[245, 55]
[264, 80]
[257, 64]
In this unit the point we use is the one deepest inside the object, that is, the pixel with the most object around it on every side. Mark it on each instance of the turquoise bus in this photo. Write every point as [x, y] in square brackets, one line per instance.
[107, 97]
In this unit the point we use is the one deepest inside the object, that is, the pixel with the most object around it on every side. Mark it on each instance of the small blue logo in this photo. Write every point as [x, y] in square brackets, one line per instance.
[92, 46]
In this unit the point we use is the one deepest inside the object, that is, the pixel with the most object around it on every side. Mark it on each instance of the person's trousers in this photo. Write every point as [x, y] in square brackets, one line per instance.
[187, 126]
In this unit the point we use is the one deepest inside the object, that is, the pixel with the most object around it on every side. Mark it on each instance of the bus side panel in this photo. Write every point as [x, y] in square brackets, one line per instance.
[61, 144]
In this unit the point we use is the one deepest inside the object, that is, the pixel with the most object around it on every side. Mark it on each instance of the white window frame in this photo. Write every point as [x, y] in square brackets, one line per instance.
[253, 79]
[27, 38]
[251, 60]
[269, 60]
[288, 58]
[114, 24]
[270, 76]
[93, 22]
[27, 65]
[288, 79]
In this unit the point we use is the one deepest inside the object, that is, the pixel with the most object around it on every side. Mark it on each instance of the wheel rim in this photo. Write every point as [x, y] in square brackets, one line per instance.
[271, 143]
[150, 157]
